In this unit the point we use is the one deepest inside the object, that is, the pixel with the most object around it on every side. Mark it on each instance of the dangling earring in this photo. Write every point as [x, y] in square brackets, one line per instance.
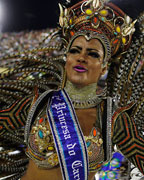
[64, 78]
[63, 82]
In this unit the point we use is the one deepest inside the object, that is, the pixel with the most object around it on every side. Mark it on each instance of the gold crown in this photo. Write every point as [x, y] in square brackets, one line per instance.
[100, 17]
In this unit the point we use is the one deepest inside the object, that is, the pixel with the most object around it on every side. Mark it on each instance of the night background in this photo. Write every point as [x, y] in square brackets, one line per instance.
[18, 15]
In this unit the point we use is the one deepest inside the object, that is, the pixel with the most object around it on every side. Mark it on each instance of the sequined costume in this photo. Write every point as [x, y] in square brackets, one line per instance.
[42, 150]
[28, 74]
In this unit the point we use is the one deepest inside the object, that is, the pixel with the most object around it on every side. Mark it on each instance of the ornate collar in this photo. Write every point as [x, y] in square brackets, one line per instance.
[83, 97]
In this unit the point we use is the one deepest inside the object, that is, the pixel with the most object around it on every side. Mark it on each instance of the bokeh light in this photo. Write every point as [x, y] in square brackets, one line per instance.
[2, 14]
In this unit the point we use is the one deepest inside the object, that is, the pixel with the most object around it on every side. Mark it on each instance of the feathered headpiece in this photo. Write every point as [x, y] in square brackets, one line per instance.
[97, 19]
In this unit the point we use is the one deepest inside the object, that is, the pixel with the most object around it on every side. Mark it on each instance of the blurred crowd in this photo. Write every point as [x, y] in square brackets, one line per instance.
[13, 42]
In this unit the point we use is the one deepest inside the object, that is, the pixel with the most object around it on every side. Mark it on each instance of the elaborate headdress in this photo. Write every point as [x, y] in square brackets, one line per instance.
[96, 19]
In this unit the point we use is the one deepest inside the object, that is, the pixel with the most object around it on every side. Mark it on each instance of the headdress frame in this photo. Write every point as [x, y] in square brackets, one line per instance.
[103, 21]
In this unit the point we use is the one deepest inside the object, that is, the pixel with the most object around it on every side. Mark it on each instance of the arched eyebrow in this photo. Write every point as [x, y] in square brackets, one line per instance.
[88, 49]
[101, 53]
[80, 48]
[93, 49]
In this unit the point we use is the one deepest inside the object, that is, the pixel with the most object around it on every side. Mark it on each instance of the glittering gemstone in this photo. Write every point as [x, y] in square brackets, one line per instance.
[103, 19]
[50, 148]
[115, 41]
[95, 20]
[89, 12]
[104, 12]
[94, 132]
[40, 133]
[118, 29]
[124, 40]
[115, 33]
[88, 143]
[90, 153]
[70, 21]
[41, 120]
[72, 33]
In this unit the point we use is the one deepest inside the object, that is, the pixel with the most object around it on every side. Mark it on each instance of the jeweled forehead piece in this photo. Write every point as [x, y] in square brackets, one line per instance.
[103, 18]
[94, 35]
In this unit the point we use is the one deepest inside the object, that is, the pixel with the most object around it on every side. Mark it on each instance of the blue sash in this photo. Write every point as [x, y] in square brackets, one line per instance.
[68, 137]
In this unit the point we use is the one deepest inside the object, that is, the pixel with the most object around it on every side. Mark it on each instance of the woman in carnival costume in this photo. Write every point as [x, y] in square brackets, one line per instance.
[72, 127]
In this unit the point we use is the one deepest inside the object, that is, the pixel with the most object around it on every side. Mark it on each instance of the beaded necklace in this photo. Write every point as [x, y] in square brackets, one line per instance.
[84, 97]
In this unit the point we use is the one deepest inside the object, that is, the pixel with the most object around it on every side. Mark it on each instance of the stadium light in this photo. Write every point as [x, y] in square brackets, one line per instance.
[2, 11]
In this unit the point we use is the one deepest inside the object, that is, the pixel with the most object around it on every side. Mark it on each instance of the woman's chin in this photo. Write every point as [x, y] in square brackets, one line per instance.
[78, 82]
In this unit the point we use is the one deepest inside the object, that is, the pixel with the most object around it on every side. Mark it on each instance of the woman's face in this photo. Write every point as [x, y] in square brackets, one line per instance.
[84, 61]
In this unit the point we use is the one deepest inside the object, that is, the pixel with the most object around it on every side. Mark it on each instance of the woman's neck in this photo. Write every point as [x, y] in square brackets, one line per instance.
[84, 97]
